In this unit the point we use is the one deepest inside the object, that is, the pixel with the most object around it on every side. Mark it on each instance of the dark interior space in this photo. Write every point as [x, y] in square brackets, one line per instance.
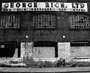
[7, 49]
[73, 44]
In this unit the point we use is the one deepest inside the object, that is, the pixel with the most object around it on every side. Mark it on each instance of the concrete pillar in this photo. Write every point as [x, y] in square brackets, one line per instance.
[26, 49]
[64, 50]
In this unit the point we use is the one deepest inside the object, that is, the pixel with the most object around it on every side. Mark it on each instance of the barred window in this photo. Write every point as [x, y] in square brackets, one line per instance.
[79, 21]
[44, 21]
[9, 21]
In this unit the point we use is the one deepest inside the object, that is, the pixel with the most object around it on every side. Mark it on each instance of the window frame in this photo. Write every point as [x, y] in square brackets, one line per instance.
[7, 14]
[80, 26]
[47, 13]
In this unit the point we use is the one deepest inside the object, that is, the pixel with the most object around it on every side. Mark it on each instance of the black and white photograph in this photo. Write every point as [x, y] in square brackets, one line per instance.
[44, 36]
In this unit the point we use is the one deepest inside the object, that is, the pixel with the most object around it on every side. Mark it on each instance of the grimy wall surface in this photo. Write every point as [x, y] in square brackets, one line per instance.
[62, 29]
[61, 33]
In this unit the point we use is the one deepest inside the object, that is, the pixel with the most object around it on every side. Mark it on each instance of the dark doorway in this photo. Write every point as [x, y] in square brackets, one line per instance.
[7, 49]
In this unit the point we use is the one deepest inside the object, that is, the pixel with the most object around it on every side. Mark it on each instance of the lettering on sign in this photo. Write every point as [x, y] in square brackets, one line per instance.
[44, 6]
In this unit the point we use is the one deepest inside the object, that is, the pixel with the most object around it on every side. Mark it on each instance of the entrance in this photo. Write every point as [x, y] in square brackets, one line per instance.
[8, 48]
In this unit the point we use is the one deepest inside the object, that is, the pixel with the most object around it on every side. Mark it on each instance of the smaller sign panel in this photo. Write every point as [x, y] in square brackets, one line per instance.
[44, 6]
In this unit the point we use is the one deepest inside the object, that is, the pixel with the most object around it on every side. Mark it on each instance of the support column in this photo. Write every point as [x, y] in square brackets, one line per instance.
[26, 49]
[64, 50]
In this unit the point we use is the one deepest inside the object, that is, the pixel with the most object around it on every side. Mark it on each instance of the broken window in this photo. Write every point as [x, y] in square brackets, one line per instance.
[43, 21]
[79, 21]
[9, 21]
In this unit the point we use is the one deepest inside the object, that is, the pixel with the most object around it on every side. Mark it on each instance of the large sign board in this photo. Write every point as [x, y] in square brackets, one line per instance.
[44, 6]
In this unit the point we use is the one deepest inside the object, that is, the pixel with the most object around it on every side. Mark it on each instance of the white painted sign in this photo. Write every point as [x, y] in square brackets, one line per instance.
[44, 6]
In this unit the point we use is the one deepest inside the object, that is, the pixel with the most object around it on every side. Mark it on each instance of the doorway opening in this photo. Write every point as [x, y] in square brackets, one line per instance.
[8, 48]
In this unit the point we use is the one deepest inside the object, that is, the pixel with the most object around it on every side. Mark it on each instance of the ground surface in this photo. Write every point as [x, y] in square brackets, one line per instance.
[50, 70]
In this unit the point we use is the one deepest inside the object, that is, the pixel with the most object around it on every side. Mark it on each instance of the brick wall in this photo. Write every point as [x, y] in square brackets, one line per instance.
[26, 29]
[45, 35]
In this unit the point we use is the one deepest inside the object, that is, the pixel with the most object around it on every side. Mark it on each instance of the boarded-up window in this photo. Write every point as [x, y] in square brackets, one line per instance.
[9, 21]
[79, 21]
[44, 52]
[44, 21]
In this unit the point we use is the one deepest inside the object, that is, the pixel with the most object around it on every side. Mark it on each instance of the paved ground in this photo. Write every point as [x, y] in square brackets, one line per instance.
[67, 69]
